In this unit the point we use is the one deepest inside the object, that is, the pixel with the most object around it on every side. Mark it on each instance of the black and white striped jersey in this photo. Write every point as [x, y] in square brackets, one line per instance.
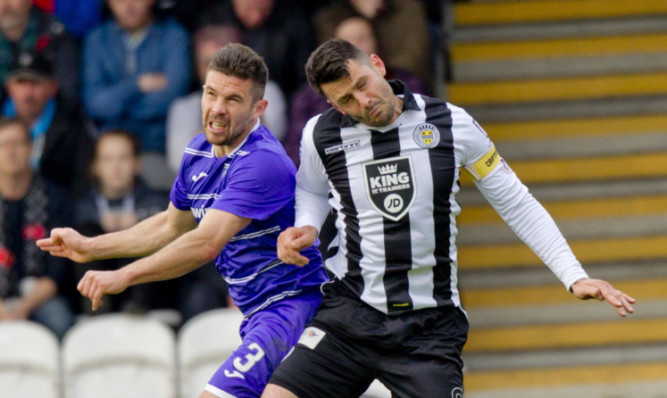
[393, 190]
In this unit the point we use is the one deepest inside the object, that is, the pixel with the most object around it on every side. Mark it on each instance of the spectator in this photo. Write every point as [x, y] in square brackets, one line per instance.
[400, 26]
[61, 140]
[134, 66]
[308, 103]
[119, 200]
[32, 285]
[187, 12]
[184, 117]
[79, 17]
[277, 30]
[24, 28]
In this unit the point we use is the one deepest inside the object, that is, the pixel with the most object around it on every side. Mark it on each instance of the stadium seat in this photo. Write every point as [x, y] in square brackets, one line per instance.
[204, 342]
[377, 390]
[28, 360]
[119, 355]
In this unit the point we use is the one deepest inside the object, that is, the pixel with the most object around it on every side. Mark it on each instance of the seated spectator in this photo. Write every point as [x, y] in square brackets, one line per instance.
[24, 28]
[359, 31]
[184, 117]
[308, 103]
[133, 67]
[119, 200]
[401, 28]
[61, 139]
[33, 284]
[277, 29]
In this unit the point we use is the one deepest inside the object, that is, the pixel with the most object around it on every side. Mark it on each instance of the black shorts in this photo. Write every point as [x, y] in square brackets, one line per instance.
[349, 343]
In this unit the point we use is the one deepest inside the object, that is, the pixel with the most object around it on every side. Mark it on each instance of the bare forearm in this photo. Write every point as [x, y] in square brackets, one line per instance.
[178, 258]
[144, 238]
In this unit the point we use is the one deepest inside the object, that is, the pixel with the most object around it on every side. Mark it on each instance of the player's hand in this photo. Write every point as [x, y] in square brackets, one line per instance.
[585, 289]
[96, 284]
[66, 242]
[292, 240]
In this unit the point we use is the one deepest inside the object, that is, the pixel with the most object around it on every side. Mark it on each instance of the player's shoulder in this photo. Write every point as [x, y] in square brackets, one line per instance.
[263, 151]
[198, 146]
[261, 143]
[328, 120]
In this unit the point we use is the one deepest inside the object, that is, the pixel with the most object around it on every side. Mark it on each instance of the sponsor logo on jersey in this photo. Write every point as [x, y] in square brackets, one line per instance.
[199, 176]
[311, 337]
[390, 186]
[426, 135]
[342, 147]
[457, 392]
[198, 212]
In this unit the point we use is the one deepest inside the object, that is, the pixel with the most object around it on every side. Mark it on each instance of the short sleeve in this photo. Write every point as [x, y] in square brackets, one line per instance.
[258, 185]
[178, 194]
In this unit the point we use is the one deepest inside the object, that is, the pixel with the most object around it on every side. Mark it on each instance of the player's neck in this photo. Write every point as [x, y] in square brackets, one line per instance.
[223, 150]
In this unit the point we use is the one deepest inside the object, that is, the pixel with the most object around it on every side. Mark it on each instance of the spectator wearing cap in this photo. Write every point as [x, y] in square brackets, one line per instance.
[61, 140]
[26, 28]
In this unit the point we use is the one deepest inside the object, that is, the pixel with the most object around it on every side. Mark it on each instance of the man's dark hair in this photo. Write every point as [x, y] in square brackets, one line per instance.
[10, 121]
[129, 136]
[241, 61]
[328, 62]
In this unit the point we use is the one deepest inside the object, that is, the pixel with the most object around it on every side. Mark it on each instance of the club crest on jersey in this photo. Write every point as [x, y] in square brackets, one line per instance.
[390, 186]
[426, 135]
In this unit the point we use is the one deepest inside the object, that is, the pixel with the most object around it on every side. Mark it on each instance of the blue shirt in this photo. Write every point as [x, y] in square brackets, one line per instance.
[254, 181]
[111, 95]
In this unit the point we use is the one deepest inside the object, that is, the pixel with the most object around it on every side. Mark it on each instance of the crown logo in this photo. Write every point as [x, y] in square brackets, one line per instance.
[388, 169]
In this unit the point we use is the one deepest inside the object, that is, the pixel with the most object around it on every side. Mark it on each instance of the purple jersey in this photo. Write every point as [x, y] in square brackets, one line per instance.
[254, 181]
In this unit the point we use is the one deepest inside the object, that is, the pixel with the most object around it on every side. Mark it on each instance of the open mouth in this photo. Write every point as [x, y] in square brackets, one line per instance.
[217, 126]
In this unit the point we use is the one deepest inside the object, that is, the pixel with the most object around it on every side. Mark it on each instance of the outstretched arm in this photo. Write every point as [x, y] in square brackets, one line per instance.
[181, 256]
[142, 239]
[531, 222]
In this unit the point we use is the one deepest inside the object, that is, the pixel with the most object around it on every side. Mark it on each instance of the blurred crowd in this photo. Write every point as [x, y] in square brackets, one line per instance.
[100, 97]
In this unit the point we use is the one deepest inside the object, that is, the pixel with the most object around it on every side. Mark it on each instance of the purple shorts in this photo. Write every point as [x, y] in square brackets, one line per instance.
[267, 336]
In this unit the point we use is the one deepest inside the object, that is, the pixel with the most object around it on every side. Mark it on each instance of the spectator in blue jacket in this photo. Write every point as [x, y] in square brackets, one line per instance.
[133, 67]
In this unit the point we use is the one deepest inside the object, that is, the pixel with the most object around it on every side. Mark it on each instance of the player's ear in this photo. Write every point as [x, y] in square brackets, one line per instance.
[378, 64]
[260, 107]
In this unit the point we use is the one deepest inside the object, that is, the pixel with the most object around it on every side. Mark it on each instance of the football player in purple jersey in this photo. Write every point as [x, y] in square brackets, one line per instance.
[233, 196]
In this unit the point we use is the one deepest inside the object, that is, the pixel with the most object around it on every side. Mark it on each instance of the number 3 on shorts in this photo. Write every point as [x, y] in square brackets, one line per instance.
[251, 358]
